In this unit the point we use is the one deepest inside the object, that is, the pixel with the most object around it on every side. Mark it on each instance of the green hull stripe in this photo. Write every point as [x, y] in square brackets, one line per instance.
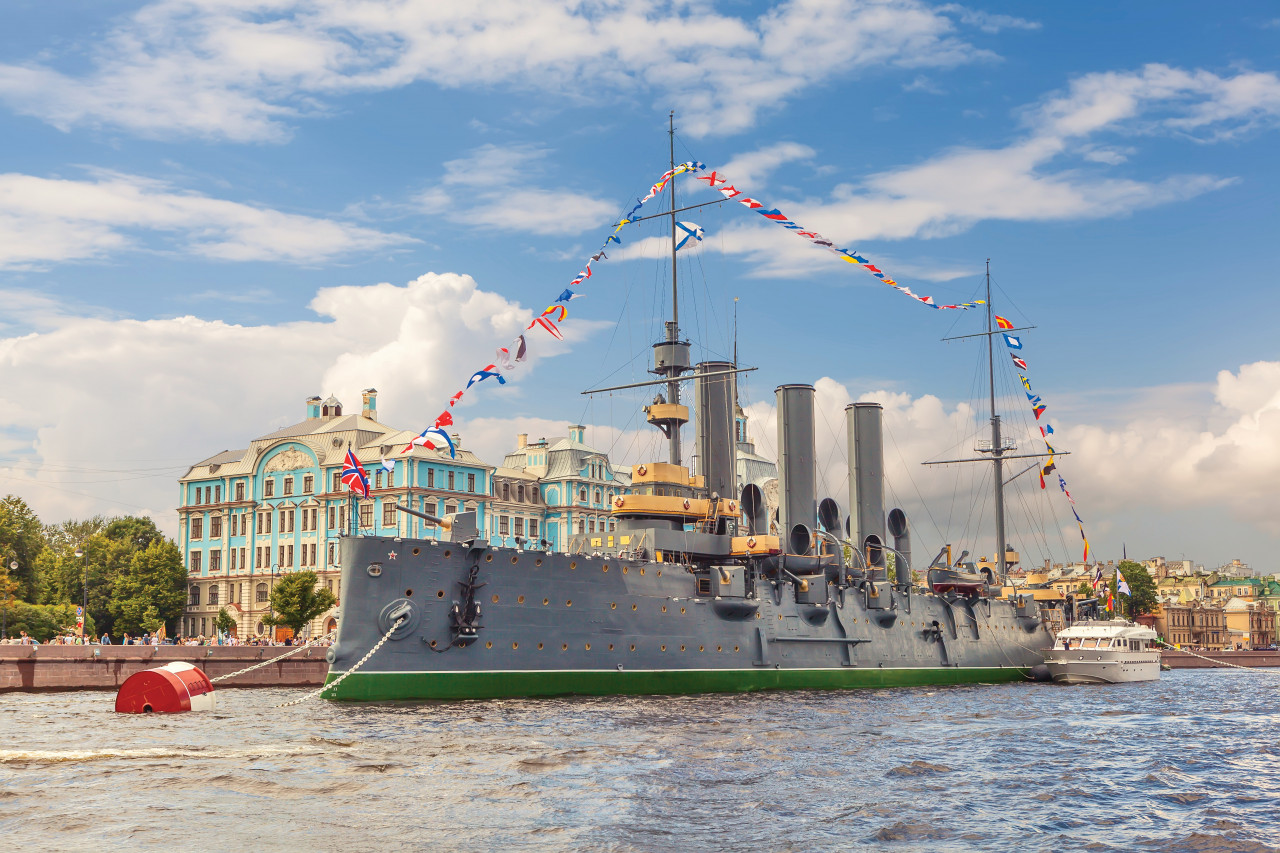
[380, 686]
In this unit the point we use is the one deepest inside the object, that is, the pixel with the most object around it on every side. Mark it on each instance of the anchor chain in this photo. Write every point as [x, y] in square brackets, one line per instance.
[269, 661]
[333, 684]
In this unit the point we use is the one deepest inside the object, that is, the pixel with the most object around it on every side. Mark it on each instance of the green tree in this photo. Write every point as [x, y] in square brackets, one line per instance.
[1084, 591]
[21, 540]
[66, 535]
[152, 590]
[224, 623]
[8, 586]
[1142, 597]
[43, 621]
[295, 601]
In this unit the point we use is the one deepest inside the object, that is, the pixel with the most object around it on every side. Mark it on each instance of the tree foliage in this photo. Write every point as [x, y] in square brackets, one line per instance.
[151, 590]
[22, 541]
[224, 623]
[1142, 595]
[295, 601]
[43, 621]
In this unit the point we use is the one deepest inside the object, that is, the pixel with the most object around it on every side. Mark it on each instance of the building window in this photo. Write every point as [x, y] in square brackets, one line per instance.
[213, 595]
[431, 478]
[597, 496]
[388, 514]
[471, 483]
[195, 561]
[292, 513]
[366, 514]
[582, 495]
[533, 495]
[520, 493]
[306, 520]
[506, 491]
[313, 554]
[519, 526]
[533, 528]
[337, 481]
[450, 509]
[261, 597]
[232, 566]
[451, 481]
[581, 527]
[215, 527]
[377, 479]
[269, 488]
[328, 584]
[314, 511]
[215, 561]
[308, 484]
[591, 525]
[332, 517]
[342, 517]
[239, 491]
[193, 596]
[503, 525]
[288, 560]
[217, 494]
[197, 527]
[288, 485]
[333, 554]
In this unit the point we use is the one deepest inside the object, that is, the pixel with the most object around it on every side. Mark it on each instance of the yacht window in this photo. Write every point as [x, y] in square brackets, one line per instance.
[1089, 643]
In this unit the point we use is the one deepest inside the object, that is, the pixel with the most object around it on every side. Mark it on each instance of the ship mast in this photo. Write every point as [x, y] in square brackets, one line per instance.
[997, 450]
[673, 325]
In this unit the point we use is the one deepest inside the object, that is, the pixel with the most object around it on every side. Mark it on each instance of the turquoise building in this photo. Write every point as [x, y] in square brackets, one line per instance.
[249, 516]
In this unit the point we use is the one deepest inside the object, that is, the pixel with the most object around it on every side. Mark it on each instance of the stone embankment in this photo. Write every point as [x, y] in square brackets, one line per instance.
[35, 668]
[1181, 660]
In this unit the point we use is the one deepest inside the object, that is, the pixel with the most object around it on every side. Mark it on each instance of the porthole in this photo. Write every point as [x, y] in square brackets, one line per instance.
[447, 553]
[546, 601]
[488, 645]
[613, 605]
[611, 647]
[780, 617]
[605, 567]
[659, 572]
[633, 647]
[625, 570]
[681, 611]
[664, 648]
[440, 593]
[515, 645]
[519, 599]
[758, 616]
[633, 607]
[495, 598]
[408, 593]
[514, 559]
[642, 570]
[701, 649]
[539, 646]
[564, 647]
[488, 558]
[538, 562]
[573, 564]
[417, 551]
[682, 648]
[664, 608]
[587, 647]
[735, 648]
[719, 648]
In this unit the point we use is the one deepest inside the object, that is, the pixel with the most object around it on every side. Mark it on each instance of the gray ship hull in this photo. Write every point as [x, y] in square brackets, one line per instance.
[557, 624]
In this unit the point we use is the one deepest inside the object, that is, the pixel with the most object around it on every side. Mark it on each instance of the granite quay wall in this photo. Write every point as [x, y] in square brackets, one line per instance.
[36, 668]
[1181, 660]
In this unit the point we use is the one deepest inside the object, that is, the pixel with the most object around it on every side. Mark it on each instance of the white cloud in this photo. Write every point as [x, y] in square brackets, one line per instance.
[988, 22]
[494, 193]
[243, 70]
[753, 167]
[57, 219]
[155, 394]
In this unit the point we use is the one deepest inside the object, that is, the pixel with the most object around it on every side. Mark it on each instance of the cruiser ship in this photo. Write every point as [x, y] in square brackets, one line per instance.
[700, 588]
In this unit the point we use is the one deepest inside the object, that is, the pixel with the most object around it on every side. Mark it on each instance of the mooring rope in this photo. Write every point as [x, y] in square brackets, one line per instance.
[314, 693]
[269, 661]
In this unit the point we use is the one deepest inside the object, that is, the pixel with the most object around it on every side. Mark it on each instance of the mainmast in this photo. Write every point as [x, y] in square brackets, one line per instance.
[997, 449]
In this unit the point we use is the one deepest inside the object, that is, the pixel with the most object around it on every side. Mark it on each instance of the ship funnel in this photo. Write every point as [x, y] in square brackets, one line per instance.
[901, 534]
[755, 510]
[829, 516]
[796, 472]
[866, 479]
[716, 446]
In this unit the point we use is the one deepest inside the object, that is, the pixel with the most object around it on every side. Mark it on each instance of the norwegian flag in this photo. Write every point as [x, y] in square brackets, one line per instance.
[354, 477]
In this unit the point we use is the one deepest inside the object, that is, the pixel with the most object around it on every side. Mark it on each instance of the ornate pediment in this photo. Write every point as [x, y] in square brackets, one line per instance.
[290, 460]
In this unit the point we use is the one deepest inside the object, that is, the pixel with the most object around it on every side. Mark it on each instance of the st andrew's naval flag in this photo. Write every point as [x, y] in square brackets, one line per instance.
[354, 477]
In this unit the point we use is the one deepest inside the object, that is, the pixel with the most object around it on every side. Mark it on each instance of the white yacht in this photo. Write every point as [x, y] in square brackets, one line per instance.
[1104, 652]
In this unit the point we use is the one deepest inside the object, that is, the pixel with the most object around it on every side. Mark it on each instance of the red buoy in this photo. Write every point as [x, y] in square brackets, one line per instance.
[170, 689]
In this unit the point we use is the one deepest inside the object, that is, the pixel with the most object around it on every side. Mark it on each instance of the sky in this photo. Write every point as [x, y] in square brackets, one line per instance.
[213, 209]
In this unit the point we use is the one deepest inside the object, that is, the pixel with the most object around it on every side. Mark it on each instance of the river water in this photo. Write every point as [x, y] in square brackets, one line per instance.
[1189, 763]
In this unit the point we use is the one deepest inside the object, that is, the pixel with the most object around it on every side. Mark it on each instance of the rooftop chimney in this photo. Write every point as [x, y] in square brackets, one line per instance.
[370, 408]
[313, 407]
[522, 440]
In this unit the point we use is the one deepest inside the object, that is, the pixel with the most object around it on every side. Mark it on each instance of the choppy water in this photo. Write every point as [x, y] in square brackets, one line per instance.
[1191, 763]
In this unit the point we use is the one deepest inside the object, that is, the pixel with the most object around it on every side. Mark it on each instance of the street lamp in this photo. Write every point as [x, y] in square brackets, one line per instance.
[271, 612]
[84, 601]
[4, 619]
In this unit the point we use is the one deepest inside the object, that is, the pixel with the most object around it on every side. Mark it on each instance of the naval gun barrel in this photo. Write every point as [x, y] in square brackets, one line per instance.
[443, 522]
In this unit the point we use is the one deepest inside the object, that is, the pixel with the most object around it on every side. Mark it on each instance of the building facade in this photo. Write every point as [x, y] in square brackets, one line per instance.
[248, 517]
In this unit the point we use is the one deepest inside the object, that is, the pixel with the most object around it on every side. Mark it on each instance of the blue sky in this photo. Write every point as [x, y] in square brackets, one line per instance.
[199, 202]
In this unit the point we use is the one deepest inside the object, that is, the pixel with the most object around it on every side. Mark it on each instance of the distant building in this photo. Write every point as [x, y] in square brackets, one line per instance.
[247, 517]
[1250, 625]
[1197, 624]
